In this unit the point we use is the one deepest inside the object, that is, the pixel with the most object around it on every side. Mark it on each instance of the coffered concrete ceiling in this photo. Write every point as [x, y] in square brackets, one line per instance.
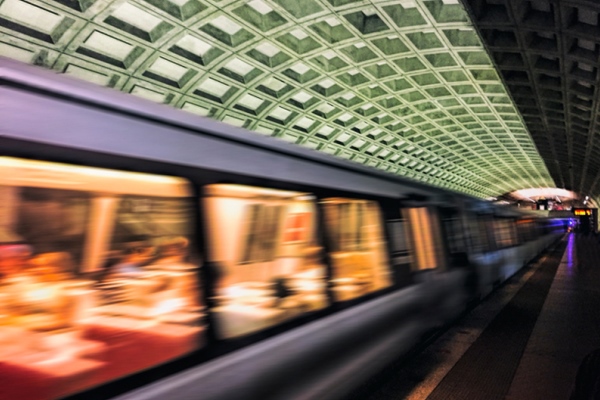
[409, 87]
[547, 52]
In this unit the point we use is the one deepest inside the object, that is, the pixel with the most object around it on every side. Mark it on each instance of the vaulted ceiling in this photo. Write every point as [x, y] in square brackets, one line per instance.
[548, 51]
[410, 87]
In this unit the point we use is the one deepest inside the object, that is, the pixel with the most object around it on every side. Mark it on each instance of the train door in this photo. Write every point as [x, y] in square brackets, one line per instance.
[504, 232]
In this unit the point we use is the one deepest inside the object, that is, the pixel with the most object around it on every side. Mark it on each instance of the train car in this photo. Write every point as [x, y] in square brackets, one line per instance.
[148, 253]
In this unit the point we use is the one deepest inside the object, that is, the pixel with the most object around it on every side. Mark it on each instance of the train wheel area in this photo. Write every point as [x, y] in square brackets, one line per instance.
[526, 340]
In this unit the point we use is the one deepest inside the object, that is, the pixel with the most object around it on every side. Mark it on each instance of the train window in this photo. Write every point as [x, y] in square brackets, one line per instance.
[504, 232]
[425, 238]
[261, 235]
[486, 227]
[524, 230]
[264, 244]
[357, 247]
[95, 269]
[478, 227]
[453, 231]
[475, 241]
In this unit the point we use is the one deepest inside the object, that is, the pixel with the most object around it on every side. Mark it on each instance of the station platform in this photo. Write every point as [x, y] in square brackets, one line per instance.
[526, 340]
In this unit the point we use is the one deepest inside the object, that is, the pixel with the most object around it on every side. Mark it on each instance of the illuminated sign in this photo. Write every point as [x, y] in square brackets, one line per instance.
[582, 211]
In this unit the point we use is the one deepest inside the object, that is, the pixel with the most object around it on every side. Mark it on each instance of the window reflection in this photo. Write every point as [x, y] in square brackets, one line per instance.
[95, 270]
[264, 245]
[262, 232]
[356, 241]
[504, 230]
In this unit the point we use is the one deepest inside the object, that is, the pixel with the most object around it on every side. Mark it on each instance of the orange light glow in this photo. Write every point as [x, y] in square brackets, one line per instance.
[88, 255]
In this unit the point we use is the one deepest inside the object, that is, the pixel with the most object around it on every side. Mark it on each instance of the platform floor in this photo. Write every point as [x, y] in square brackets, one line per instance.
[525, 341]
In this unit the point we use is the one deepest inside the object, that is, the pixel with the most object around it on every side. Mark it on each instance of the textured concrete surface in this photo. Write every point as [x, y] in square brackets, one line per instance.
[418, 377]
[566, 329]
[486, 370]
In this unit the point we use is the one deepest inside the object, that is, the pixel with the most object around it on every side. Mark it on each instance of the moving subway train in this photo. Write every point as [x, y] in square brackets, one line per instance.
[148, 253]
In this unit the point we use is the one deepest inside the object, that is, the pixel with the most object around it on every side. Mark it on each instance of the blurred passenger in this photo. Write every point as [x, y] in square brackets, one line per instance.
[179, 275]
[52, 267]
[137, 252]
[282, 290]
[173, 254]
[14, 260]
[31, 297]
[52, 220]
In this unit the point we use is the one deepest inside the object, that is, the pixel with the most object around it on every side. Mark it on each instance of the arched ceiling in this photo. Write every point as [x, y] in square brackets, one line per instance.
[404, 86]
[548, 53]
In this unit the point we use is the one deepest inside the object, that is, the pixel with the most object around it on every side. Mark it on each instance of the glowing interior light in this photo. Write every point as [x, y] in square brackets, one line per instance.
[40, 294]
[168, 306]
[33, 169]
[247, 191]
[543, 192]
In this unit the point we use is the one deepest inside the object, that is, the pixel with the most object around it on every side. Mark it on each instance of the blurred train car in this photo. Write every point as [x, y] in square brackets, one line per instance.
[149, 253]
